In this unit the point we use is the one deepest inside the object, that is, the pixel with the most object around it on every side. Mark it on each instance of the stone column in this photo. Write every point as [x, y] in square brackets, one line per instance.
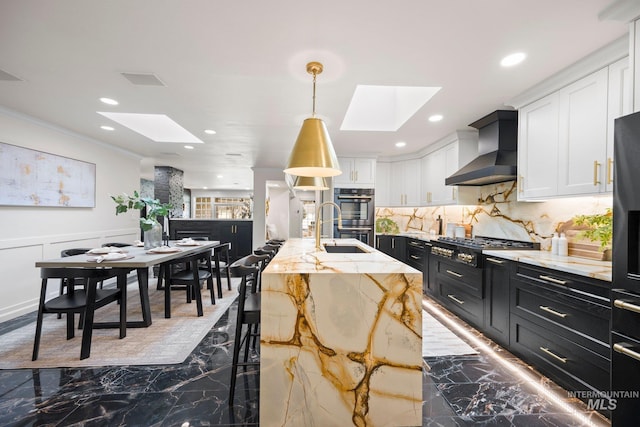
[168, 188]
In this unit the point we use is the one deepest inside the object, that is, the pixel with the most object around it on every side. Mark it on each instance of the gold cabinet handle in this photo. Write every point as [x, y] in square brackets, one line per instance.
[453, 273]
[453, 193]
[626, 306]
[609, 170]
[596, 164]
[415, 257]
[521, 184]
[551, 279]
[624, 350]
[496, 260]
[393, 243]
[356, 176]
[555, 356]
[453, 297]
[552, 311]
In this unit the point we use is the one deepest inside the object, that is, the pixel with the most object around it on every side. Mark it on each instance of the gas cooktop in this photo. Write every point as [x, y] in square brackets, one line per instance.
[481, 242]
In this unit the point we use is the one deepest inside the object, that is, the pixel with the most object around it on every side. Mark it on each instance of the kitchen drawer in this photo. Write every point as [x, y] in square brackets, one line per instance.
[564, 312]
[626, 313]
[416, 257]
[569, 364]
[467, 306]
[625, 376]
[468, 278]
[578, 285]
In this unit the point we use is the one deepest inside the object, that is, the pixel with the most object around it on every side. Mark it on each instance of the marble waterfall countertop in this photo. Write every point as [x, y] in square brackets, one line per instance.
[569, 264]
[340, 338]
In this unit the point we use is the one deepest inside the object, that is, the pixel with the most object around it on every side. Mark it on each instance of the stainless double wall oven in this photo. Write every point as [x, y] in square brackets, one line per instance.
[358, 214]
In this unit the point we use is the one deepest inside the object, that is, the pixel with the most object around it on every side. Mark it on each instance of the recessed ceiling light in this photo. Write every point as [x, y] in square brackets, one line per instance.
[401, 144]
[204, 188]
[435, 118]
[218, 176]
[384, 108]
[156, 127]
[106, 128]
[210, 131]
[513, 59]
[189, 147]
[109, 101]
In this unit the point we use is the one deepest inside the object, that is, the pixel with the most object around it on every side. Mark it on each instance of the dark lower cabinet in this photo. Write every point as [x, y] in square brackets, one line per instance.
[459, 287]
[417, 256]
[237, 232]
[561, 323]
[394, 246]
[496, 305]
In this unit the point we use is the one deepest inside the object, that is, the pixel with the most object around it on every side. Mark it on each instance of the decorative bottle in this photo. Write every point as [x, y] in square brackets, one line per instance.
[554, 244]
[563, 245]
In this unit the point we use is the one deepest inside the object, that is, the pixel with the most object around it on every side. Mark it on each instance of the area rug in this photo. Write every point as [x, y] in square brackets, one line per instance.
[165, 341]
[438, 340]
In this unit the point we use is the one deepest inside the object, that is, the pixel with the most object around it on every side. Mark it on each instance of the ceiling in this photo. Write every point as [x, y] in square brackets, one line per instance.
[238, 67]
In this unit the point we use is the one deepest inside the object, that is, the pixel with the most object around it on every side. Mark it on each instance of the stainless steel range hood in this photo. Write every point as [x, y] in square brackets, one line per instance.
[497, 146]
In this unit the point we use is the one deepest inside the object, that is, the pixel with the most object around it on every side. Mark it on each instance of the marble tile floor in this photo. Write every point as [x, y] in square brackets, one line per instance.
[458, 391]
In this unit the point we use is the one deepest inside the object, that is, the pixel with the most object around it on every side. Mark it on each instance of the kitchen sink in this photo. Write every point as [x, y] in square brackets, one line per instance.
[344, 249]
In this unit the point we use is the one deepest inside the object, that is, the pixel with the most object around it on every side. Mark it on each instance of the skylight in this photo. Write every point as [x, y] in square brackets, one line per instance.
[157, 127]
[384, 108]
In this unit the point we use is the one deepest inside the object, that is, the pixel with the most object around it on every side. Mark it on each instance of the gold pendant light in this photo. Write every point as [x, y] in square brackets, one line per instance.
[310, 183]
[313, 154]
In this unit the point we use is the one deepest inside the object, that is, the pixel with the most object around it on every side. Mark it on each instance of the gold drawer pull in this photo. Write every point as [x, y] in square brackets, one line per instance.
[555, 356]
[453, 273]
[551, 279]
[453, 297]
[496, 260]
[626, 306]
[552, 311]
[596, 164]
[624, 350]
[415, 257]
[609, 170]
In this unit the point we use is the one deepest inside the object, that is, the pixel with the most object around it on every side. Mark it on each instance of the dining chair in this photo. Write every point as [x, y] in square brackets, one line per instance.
[248, 313]
[222, 262]
[198, 270]
[84, 301]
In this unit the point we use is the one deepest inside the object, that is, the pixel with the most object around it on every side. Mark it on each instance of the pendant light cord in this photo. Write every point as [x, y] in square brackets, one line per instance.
[314, 94]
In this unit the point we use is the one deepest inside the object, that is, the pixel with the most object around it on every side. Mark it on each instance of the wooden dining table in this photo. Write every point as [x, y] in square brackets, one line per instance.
[138, 259]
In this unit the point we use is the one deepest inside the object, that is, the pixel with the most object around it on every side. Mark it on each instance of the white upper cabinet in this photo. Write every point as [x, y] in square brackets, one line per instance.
[436, 167]
[620, 103]
[404, 188]
[356, 173]
[383, 176]
[565, 140]
[444, 162]
[583, 135]
[538, 148]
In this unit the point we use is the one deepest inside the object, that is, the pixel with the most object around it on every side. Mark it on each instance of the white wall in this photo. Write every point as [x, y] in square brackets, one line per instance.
[29, 234]
[260, 178]
[278, 211]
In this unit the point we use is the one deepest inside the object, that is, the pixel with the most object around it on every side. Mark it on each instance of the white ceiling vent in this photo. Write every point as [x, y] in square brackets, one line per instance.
[6, 77]
[143, 79]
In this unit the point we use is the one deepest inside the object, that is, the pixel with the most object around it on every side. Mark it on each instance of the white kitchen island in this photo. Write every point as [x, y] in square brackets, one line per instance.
[341, 338]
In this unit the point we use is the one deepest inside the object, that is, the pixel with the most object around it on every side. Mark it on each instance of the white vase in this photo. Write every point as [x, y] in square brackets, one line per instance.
[153, 237]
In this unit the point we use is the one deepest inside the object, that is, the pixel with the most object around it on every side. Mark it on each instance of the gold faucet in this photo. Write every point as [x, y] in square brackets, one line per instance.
[319, 222]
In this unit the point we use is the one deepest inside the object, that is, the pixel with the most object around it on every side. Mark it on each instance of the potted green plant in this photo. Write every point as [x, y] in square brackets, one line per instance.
[600, 229]
[149, 223]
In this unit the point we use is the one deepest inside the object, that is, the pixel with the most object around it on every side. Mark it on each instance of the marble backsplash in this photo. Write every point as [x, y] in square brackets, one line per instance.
[499, 214]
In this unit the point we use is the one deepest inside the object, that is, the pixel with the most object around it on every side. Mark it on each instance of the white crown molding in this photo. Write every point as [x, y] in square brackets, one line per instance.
[599, 59]
[621, 10]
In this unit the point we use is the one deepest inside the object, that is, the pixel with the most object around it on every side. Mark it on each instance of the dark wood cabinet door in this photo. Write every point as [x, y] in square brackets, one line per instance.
[496, 311]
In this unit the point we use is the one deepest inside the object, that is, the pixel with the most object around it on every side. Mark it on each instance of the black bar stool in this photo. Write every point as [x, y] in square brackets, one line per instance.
[249, 269]
[83, 301]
